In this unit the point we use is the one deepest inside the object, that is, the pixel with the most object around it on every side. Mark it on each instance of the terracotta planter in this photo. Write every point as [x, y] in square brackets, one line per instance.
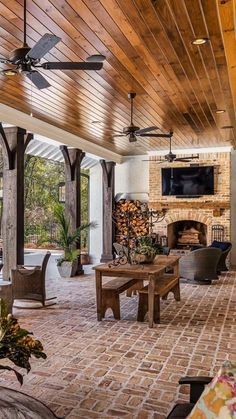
[67, 269]
[144, 258]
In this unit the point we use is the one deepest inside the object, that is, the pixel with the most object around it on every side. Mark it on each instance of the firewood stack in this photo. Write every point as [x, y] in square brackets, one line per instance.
[129, 221]
[189, 236]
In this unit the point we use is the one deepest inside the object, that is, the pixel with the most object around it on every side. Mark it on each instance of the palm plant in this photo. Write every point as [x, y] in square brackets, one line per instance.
[67, 240]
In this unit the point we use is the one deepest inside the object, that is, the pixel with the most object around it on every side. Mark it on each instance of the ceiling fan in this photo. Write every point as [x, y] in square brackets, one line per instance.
[26, 60]
[171, 157]
[132, 132]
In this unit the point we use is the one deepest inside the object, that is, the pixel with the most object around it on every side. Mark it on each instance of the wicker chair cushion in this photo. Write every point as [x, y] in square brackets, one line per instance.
[220, 245]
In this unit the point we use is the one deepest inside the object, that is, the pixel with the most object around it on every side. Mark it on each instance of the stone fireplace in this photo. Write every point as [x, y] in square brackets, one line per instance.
[198, 215]
[186, 233]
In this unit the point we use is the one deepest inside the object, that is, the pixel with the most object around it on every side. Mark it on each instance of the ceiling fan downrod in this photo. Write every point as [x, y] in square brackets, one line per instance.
[25, 43]
[131, 96]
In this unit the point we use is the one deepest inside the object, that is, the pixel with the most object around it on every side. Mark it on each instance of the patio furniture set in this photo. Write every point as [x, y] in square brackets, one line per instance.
[160, 283]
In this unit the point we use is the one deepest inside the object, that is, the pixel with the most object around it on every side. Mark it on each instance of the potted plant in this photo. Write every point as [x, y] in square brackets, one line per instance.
[17, 344]
[146, 249]
[67, 264]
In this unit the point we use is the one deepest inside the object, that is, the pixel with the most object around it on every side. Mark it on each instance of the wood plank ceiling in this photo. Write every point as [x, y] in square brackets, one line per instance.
[148, 50]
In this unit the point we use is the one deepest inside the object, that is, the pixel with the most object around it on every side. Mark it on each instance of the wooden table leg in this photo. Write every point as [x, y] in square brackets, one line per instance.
[176, 269]
[151, 296]
[98, 277]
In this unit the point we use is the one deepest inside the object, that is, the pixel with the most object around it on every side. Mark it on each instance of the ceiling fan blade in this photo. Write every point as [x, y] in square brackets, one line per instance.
[144, 130]
[119, 135]
[4, 61]
[44, 45]
[72, 66]
[183, 160]
[155, 161]
[38, 80]
[153, 135]
[187, 158]
[96, 58]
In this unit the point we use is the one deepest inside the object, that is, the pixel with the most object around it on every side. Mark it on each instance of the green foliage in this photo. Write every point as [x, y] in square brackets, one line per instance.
[145, 246]
[42, 177]
[67, 238]
[17, 344]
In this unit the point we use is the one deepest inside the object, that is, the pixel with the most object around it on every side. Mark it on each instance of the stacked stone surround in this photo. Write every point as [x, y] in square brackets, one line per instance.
[193, 211]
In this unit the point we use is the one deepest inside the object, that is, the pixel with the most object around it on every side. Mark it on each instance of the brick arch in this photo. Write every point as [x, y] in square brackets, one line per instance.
[188, 215]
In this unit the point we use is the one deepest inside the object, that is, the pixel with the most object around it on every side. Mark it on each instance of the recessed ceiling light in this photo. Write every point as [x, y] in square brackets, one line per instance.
[200, 41]
[227, 127]
[220, 111]
[9, 72]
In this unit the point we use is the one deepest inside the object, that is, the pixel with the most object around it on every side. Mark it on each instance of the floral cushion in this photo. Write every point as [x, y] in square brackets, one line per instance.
[219, 398]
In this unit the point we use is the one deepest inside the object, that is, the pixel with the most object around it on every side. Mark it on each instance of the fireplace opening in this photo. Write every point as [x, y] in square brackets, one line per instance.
[186, 233]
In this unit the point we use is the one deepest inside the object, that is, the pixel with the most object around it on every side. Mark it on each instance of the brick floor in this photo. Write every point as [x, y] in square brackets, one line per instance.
[116, 369]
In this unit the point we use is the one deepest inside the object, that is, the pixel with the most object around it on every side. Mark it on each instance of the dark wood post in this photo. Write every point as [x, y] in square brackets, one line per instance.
[108, 172]
[73, 158]
[14, 141]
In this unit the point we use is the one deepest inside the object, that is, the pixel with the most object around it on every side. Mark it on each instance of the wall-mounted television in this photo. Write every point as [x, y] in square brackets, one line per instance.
[188, 181]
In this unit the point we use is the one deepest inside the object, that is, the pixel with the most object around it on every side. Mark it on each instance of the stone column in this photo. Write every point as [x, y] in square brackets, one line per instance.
[73, 158]
[108, 172]
[14, 141]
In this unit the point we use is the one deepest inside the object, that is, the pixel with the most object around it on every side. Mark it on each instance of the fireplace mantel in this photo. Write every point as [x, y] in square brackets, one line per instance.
[189, 204]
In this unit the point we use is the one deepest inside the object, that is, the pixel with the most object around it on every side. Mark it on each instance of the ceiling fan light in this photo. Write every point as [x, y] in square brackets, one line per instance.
[96, 58]
[200, 41]
[9, 72]
[218, 111]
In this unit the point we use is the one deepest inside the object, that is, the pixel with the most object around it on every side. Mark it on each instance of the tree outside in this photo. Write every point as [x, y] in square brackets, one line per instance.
[42, 177]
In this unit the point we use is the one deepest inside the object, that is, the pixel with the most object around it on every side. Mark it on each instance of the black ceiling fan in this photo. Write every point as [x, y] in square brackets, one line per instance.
[170, 157]
[132, 131]
[26, 60]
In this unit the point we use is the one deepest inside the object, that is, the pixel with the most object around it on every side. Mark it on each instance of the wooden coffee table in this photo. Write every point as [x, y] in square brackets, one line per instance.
[149, 272]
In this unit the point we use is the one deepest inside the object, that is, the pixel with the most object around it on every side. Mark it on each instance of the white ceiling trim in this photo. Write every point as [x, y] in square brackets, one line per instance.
[52, 152]
[36, 126]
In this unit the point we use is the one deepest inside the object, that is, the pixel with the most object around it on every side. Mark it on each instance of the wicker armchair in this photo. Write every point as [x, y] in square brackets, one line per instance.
[200, 265]
[225, 249]
[197, 385]
[28, 282]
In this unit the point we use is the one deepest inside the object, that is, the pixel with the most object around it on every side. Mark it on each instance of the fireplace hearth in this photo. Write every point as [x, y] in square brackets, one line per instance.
[186, 233]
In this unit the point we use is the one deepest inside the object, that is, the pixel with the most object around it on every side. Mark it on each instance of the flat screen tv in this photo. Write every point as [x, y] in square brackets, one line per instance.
[188, 181]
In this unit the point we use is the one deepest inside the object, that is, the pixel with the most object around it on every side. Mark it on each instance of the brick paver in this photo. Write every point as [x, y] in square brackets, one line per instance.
[116, 369]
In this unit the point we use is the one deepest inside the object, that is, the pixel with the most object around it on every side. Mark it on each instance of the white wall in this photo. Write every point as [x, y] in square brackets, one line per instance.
[233, 207]
[95, 212]
[130, 176]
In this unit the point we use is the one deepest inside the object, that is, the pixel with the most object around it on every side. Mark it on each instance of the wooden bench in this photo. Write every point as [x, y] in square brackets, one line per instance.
[168, 283]
[111, 294]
